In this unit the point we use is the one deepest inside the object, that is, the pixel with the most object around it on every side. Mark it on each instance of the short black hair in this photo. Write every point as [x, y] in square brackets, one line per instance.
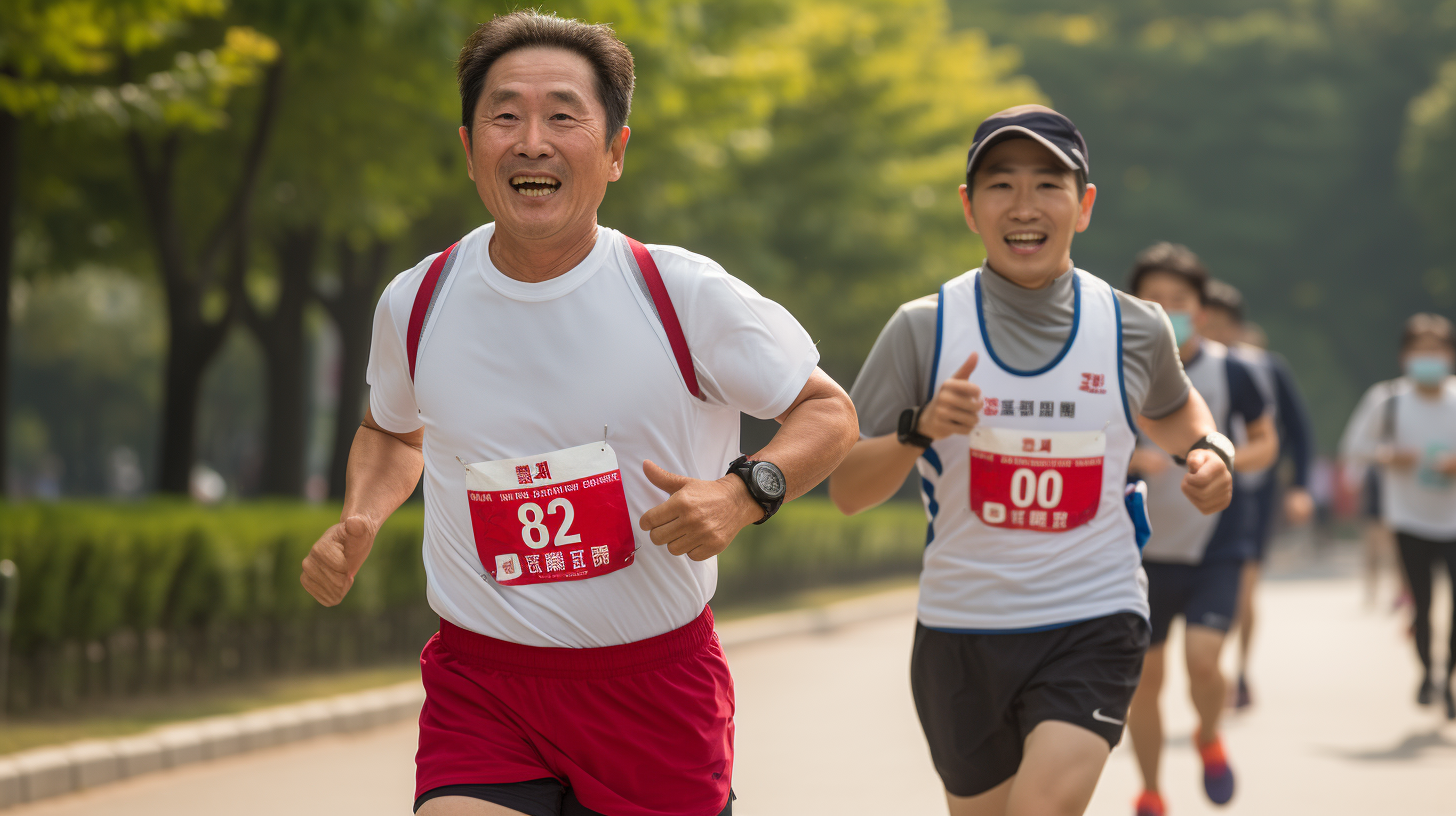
[598, 44]
[1223, 295]
[1172, 259]
[1427, 326]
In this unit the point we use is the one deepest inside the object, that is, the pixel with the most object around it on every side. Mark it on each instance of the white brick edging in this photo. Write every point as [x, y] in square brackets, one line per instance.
[45, 772]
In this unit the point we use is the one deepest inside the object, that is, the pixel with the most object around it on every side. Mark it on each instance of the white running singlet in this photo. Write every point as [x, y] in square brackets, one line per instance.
[1028, 525]
[531, 515]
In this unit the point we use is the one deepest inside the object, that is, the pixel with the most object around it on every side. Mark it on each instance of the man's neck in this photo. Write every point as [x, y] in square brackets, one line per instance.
[1190, 348]
[536, 260]
[1034, 281]
[1430, 392]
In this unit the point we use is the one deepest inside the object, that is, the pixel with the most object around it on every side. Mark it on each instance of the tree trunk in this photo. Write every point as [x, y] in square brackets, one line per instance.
[281, 335]
[9, 171]
[192, 339]
[352, 310]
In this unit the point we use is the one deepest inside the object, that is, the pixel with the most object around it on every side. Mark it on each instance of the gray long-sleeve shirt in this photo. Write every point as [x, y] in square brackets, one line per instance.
[1027, 328]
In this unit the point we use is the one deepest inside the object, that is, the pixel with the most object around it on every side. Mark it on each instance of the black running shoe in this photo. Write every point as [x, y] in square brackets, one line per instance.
[1427, 692]
[1242, 698]
[1450, 701]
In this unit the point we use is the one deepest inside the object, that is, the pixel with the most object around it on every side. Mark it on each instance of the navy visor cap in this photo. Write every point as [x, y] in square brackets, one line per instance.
[1054, 131]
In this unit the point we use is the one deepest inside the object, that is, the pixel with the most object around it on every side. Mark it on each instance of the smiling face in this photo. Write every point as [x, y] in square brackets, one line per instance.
[1026, 206]
[538, 149]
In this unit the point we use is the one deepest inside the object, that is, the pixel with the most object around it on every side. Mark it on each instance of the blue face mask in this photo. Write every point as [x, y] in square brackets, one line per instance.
[1182, 326]
[1427, 369]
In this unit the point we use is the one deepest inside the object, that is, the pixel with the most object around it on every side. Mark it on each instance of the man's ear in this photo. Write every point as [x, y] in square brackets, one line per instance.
[618, 149]
[465, 142]
[1089, 197]
[966, 206]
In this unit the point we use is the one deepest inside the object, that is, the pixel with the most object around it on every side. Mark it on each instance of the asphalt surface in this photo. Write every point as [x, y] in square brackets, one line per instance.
[826, 726]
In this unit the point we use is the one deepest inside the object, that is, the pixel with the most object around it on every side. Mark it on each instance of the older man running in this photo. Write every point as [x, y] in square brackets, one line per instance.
[572, 398]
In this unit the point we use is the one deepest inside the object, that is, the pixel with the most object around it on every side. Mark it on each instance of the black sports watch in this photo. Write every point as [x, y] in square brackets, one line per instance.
[765, 484]
[1216, 442]
[907, 434]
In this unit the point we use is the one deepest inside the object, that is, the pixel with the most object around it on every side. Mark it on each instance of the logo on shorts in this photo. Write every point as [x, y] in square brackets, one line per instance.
[1100, 717]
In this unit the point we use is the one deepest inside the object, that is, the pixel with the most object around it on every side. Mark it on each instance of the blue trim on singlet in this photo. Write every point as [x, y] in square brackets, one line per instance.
[1121, 379]
[933, 459]
[930, 456]
[1066, 347]
[939, 332]
[933, 506]
[1031, 629]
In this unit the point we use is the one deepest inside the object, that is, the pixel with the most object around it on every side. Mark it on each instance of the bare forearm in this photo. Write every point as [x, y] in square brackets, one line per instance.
[1176, 432]
[870, 475]
[383, 471]
[815, 436]
[1262, 448]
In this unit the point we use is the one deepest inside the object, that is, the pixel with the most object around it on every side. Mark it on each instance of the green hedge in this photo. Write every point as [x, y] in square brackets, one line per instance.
[121, 600]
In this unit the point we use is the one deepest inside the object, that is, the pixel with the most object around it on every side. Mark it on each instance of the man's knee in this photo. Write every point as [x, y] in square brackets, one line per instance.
[1204, 647]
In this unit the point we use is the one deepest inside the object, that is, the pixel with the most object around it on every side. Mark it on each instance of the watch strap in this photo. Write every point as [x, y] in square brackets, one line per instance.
[742, 467]
[1205, 444]
[913, 436]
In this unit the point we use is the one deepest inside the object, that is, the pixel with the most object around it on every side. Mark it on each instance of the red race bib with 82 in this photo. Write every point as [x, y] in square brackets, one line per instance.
[1050, 481]
[554, 517]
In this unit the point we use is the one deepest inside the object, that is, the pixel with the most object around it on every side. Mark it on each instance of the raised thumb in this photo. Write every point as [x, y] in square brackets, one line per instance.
[964, 372]
[664, 480]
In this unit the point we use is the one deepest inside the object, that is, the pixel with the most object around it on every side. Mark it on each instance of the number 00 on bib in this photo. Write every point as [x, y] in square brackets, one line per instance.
[558, 516]
[1036, 480]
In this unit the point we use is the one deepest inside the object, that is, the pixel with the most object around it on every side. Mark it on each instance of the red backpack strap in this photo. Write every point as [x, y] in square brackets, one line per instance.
[667, 314]
[424, 300]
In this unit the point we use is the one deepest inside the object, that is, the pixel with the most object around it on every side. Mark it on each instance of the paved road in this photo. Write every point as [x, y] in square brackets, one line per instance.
[826, 726]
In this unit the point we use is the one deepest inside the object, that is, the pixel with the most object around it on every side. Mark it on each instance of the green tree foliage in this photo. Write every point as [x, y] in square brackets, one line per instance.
[1263, 135]
[1428, 164]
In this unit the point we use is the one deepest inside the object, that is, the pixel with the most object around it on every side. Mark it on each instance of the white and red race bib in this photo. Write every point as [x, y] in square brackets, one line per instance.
[1050, 481]
[553, 517]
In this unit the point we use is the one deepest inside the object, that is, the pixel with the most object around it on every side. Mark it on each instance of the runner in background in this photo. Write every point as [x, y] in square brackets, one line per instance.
[1411, 437]
[1194, 562]
[572, 398]
[1013, 392]
[1224, 323]
[1377, 539]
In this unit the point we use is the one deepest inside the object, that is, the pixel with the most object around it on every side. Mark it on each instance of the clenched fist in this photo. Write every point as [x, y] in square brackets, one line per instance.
[956, 407]
[329, 568]
[700, 517]
[1209, 485]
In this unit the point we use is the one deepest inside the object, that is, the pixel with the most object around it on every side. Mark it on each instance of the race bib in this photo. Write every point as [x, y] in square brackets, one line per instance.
[1050, 481]
[554, 517]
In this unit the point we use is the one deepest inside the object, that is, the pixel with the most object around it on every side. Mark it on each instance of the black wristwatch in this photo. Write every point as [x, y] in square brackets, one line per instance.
[907, 433]
[1216, 442]
[765, 484]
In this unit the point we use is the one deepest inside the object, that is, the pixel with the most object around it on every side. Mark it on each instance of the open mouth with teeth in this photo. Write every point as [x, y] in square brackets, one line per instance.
[1025, 243]
[535, 186]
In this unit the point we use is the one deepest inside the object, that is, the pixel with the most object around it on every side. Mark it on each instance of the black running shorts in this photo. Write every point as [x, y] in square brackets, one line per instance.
[538, 797]
[979, 695]
[1204, 594]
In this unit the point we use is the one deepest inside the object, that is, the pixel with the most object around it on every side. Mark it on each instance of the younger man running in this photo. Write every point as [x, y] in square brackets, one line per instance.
[1013, 392]
[1194, 561]
[1224, 323]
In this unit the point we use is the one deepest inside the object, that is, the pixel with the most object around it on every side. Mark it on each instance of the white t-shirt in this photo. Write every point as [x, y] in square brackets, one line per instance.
[1420, 500]
[508, 369]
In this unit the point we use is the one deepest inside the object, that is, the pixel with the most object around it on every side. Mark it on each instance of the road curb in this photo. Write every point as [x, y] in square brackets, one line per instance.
[41, 773]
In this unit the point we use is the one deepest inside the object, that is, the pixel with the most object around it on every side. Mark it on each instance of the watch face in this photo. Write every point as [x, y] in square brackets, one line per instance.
[770, 482]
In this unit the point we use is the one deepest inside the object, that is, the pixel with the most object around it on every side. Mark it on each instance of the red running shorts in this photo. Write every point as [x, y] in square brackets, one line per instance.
[640, 729]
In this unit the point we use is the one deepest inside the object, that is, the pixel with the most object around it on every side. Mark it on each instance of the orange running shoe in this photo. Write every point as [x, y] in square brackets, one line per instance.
[1218, 777]
[1151, 804]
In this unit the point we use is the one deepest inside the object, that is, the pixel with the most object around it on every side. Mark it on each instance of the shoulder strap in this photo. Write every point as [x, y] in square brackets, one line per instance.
[666, 313]
[424, 301]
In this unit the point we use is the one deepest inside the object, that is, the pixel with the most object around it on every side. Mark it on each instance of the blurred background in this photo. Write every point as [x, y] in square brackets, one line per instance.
[200, 201]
